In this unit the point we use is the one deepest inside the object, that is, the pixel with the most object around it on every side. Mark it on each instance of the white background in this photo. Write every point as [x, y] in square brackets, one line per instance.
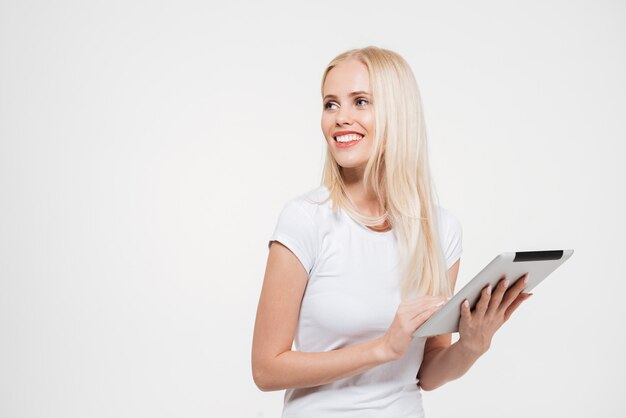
[147, 148]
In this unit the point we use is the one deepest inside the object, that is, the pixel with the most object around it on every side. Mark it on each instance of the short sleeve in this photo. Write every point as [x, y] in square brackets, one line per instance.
[297, 231]
[451, 237]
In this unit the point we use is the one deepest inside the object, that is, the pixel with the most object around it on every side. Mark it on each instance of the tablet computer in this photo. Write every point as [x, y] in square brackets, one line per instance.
[512, 265]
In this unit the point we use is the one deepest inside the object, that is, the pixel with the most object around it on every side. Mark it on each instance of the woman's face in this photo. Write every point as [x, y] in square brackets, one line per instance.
[347, 117]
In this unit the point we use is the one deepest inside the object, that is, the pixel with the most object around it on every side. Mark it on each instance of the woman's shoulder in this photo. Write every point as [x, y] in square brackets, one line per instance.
[315, 196]
[310, 209]
[451, 234]
[445, 214]
[312, 201]
[447, 219]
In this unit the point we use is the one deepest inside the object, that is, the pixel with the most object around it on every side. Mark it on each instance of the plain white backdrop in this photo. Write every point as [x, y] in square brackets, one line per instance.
[148, 147]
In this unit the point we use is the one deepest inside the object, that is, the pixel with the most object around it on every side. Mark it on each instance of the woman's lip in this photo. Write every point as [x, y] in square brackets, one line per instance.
[340, 133]
[346, 144]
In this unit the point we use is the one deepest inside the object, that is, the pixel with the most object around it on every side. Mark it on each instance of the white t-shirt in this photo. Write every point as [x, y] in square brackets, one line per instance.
[352, 296]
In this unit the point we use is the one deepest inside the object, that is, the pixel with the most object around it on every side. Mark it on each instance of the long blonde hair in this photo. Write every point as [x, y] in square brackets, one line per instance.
[397, 171]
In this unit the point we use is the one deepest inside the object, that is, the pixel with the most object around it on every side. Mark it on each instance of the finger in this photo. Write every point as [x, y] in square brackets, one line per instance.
[423, 317]
[419, 310]
[424, 299]
[516, 303]
[466, 313]
[483, 302]
[414, 307]
[514, 291]
[496, 297]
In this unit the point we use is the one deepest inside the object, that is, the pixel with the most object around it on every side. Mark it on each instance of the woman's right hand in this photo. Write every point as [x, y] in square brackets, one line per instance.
[410, 316]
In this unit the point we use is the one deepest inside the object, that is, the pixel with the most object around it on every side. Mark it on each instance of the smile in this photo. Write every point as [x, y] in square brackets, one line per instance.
[348, 138]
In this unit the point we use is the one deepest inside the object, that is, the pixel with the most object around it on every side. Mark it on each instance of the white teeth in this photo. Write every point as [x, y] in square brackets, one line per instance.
[349, 138]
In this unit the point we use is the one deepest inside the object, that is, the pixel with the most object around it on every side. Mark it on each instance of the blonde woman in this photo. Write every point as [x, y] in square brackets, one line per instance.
[356, 265]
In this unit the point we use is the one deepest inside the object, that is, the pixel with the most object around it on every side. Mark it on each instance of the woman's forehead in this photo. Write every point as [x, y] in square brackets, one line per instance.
[347, 77]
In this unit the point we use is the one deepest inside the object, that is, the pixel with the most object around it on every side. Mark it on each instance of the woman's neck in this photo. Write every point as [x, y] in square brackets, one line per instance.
[365, 200]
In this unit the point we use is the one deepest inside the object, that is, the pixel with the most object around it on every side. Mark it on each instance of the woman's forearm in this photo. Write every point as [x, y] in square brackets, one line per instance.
[442, 365]
[295, 369]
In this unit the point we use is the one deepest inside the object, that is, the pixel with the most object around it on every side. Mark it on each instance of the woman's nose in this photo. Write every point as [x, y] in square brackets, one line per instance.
[344, 116]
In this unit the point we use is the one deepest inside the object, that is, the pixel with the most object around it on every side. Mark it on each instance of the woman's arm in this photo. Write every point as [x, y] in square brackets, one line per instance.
[276, 367]
[443, 362]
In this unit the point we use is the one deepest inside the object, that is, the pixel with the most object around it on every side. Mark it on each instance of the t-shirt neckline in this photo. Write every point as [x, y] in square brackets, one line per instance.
[358, 224]
[365, 228]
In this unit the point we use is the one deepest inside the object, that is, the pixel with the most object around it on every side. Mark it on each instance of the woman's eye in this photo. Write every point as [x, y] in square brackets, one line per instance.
[361, 102]
[329, 105]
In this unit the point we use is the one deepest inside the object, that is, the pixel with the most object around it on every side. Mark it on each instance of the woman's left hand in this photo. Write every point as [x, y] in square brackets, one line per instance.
[477, 327]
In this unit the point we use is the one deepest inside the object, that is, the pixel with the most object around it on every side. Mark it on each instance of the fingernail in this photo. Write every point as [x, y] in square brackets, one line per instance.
[489, 289]
[466, 303]
[506, 283]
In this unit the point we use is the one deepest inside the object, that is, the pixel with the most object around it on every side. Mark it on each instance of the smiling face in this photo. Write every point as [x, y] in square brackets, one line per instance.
[348, 117]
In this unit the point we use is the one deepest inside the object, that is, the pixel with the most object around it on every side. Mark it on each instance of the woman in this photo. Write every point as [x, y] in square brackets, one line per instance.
[358, 264]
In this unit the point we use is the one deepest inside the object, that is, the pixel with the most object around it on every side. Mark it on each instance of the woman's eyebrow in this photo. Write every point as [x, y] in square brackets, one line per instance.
[359, 93]
[354, 93]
